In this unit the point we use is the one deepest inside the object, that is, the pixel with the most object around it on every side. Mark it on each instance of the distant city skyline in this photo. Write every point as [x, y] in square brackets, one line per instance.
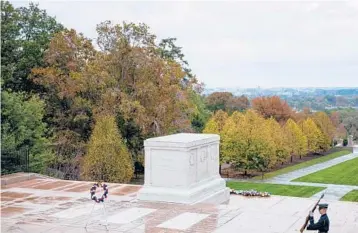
[240, 44]
[276, 87]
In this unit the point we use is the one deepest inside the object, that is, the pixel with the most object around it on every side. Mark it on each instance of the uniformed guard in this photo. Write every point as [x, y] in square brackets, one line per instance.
[323, 223]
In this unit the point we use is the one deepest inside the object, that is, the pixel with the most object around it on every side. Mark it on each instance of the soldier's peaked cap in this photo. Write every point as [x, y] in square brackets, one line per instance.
[321, 206]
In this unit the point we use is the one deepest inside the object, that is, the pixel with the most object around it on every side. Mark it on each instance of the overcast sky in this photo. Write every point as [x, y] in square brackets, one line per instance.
[240, 43]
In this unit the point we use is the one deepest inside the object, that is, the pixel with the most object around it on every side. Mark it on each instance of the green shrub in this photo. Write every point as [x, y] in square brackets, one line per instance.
[345, 142]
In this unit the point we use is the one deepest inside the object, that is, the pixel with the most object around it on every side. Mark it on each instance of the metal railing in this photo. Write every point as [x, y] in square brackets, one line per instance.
[15, 161]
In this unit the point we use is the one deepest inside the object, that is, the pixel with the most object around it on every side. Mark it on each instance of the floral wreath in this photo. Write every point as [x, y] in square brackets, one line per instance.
[251, 193]
[93, 192]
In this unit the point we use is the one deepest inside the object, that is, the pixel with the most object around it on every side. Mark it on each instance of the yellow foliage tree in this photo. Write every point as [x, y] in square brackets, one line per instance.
[247, 142]
[232, 144]
[327, 128]
[295, 139]
[313, 134]
[278, 136]
[215, 126]
[108, 158]
[216, 122]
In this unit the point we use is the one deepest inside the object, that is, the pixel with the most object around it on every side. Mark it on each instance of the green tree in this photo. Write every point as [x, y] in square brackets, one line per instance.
[22, 127]
[25, 35]
[10, 31]
[201, 114]
[132, 135]
[350, 122]
[107, 158]
[170, 51]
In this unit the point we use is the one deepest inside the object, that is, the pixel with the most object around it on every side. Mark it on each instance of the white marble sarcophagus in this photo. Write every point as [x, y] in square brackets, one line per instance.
[183, 168]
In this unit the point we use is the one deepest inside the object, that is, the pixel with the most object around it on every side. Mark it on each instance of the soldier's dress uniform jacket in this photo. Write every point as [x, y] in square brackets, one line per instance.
[322, 225]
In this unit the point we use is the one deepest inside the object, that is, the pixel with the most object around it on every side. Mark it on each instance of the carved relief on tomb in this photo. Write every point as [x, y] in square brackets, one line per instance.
[202, 165]
[213, 152]
[193, 176]
[192, 157]
[203, 154]
[213, 160]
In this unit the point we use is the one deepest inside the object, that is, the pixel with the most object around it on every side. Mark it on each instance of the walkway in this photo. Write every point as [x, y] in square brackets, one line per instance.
[314, 168]
[332, 191]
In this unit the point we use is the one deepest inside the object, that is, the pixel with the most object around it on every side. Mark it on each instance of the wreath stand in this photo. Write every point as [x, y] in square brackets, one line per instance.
[98, 201]
[104, 213]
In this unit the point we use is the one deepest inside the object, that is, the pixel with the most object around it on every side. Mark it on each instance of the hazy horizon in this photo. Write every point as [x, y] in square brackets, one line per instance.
[276, 87]
[247, 44]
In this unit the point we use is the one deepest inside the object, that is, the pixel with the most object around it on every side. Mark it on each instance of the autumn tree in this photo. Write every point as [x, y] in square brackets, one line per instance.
[313, 134]
[73, 87]
[325, 125]
[335, 118]
[215, 125]
[107, 158]
[272, 107]
[131, 77]
[151, 84]
[277, 134]
[232, 145]
[302, 115]
[247, 142]
[295, 139]
[226, 101]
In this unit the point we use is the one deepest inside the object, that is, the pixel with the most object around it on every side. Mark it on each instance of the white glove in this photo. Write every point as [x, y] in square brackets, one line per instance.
[311, 214]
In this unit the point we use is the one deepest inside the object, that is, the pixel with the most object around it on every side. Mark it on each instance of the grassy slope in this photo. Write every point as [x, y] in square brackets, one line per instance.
[276, 189]
[343, 173]
[351, 196]
[304, 164]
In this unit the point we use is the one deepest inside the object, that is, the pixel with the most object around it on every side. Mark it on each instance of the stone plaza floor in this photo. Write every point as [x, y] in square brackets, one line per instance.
[43, 204]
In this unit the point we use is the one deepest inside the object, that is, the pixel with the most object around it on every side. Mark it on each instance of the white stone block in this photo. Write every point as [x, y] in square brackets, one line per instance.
[183, 168]
[130, 215]
[183, 221]
[355, 149]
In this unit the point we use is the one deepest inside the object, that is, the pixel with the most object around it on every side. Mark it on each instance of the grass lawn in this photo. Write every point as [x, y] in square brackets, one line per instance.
[343, 173]
[351, 196]
[276, 189]
[303, 165]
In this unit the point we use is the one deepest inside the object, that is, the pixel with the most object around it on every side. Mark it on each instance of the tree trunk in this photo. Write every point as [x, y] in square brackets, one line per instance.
[291, 158]
[220, 168]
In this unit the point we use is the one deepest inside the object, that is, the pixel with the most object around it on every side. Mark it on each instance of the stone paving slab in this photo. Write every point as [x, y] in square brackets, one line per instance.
[58, 210]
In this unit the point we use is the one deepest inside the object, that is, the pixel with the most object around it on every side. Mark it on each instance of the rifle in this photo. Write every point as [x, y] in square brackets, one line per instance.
[308, 217]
